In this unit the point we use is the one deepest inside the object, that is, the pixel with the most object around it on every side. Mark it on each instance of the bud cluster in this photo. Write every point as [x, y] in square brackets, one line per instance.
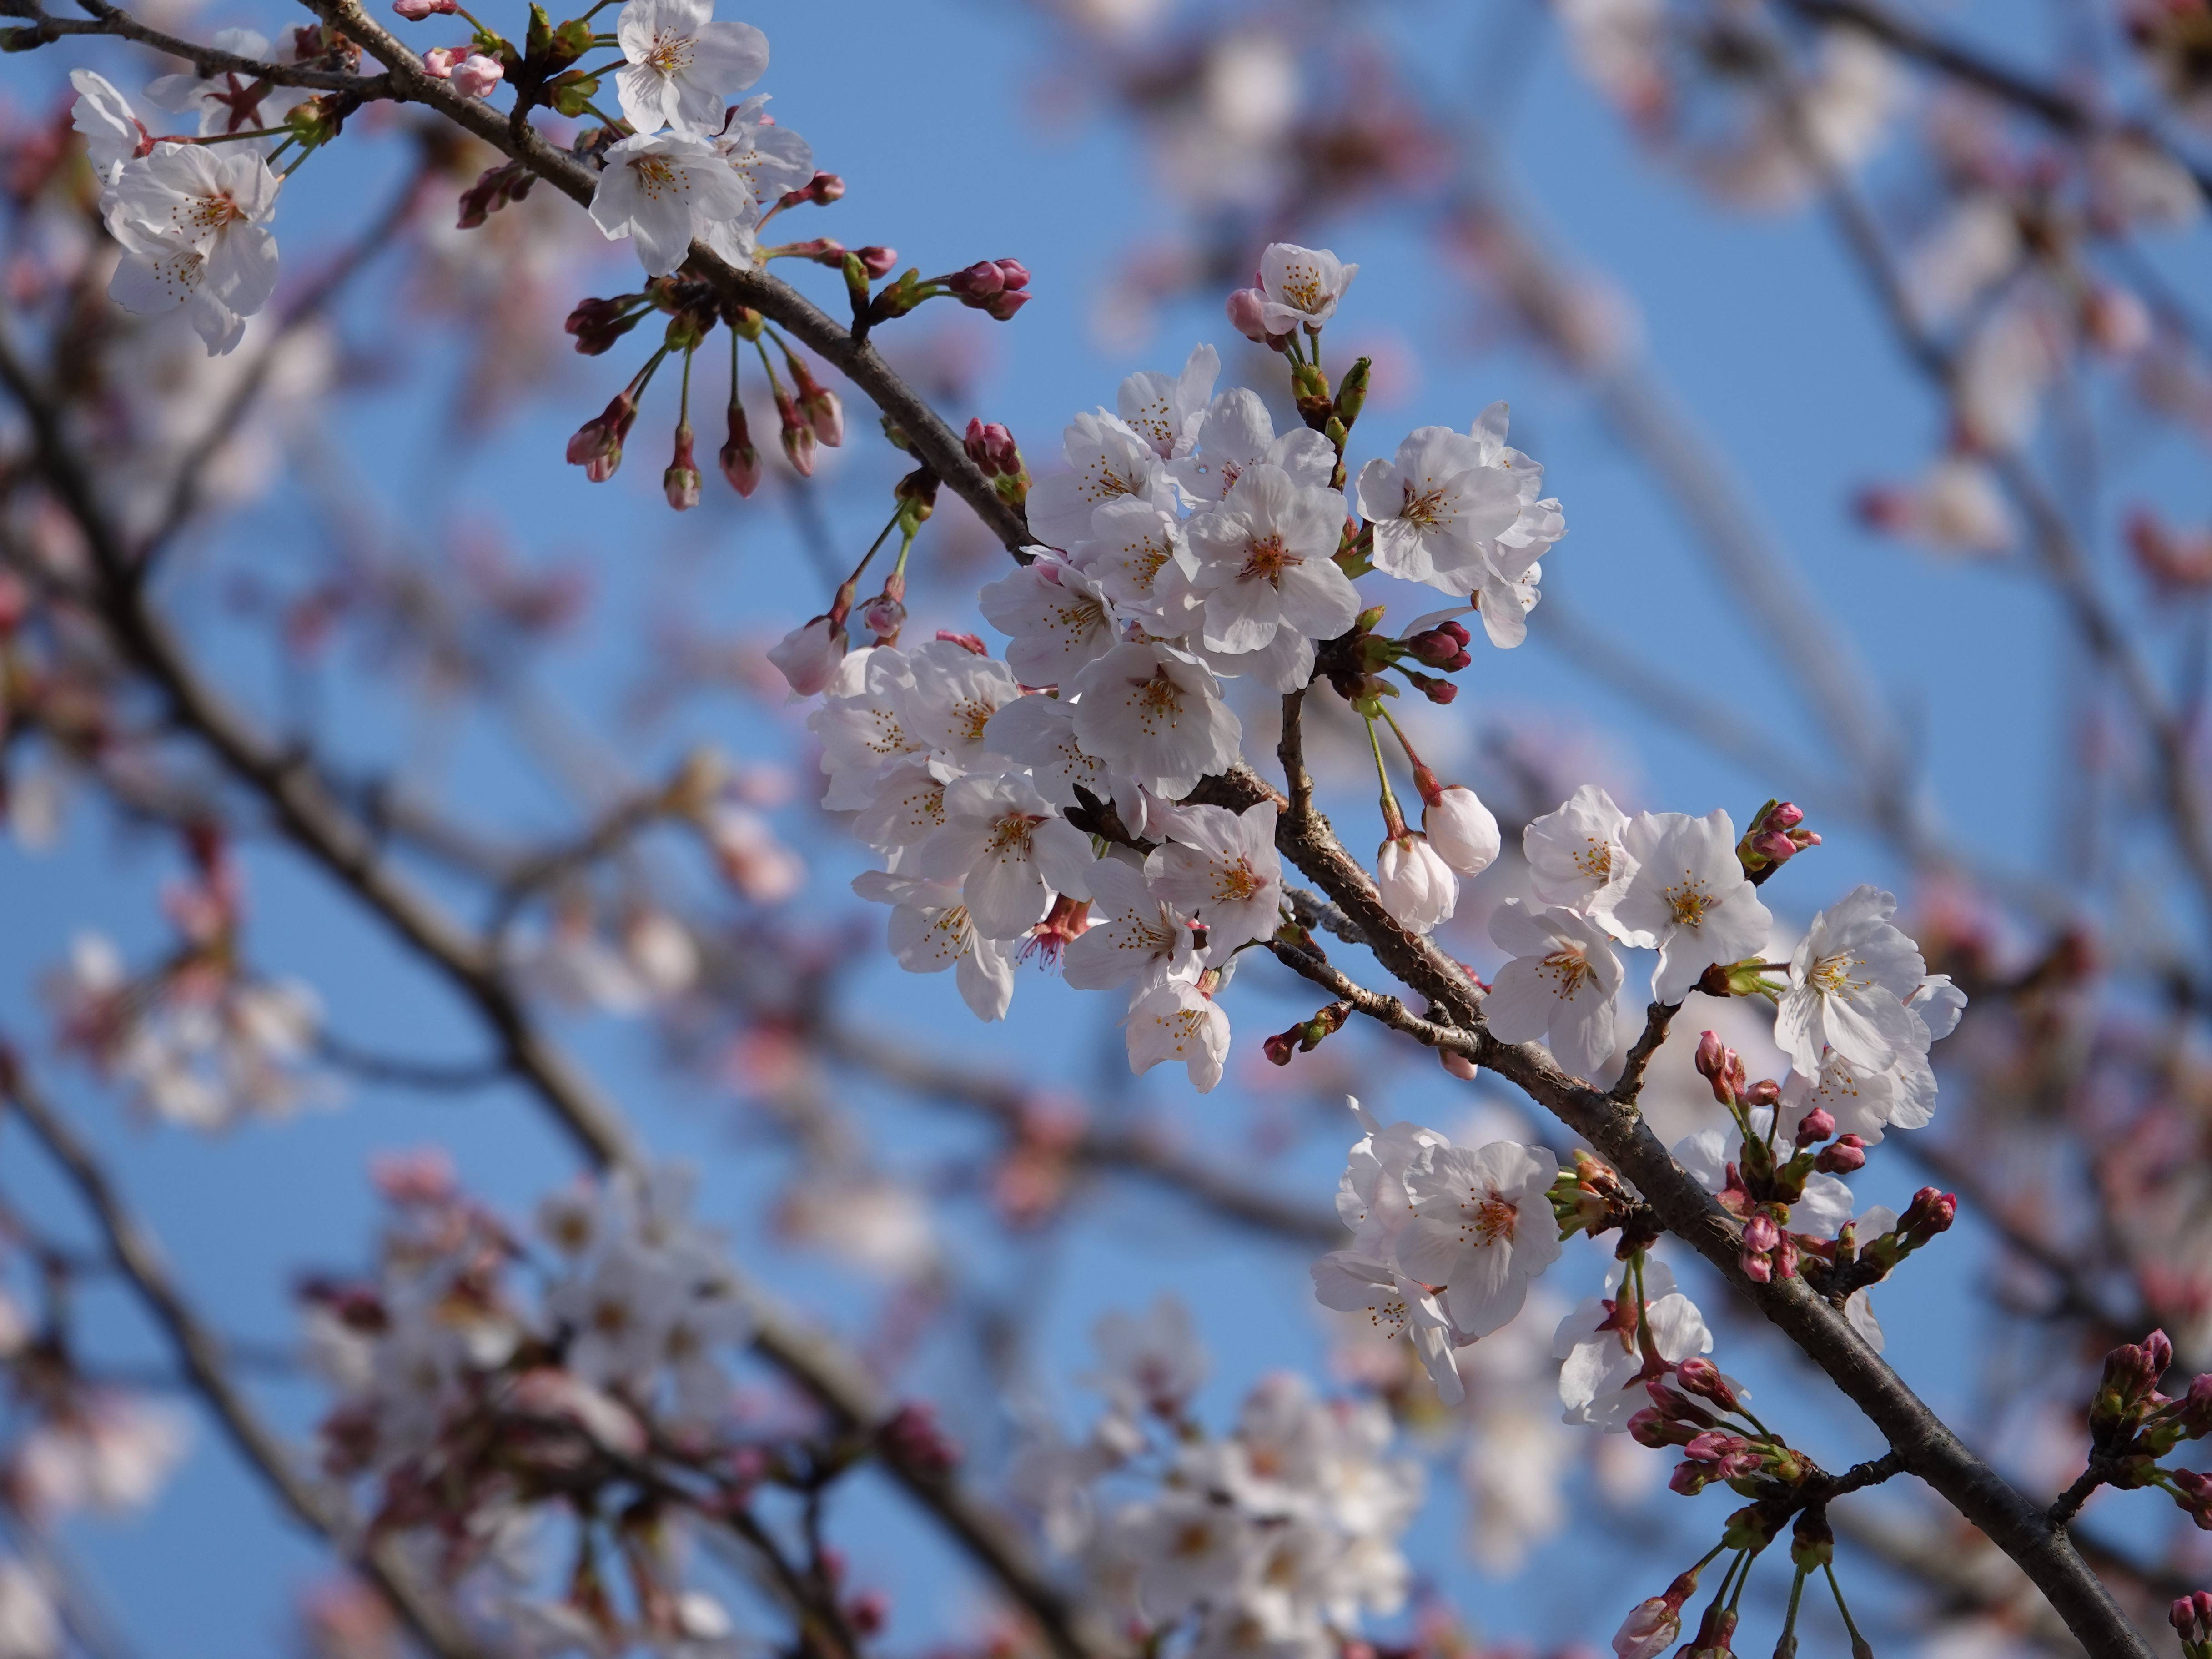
[2191, 1619]
[1773, 839]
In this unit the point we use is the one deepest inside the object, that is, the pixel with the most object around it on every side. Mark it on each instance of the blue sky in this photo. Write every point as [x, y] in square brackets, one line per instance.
[927, 109]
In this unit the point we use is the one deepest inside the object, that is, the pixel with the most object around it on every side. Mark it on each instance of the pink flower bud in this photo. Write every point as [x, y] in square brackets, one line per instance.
[824, 189]
[475, 75]
[876, 261]
[1849, 1153]
[740, 461]
[798, 434]
[2203, 1600]
[2182, 1615]
[416, 10]
[680, 483]
[882, 616]
[1815, 1126]
[808, 657]
[981, 281]
[1246, 313]
[1002, 308]
[1702, 1377]
[597, 445]
[1458, 1065]
[1648, 1630]
[1759, 1269]
[1761, 1233]
[993, 449]
[438, 62]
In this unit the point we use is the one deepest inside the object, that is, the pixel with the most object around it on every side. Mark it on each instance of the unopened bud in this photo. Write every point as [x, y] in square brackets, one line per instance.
[740, 461]
[416, 10]
[1761, 1233]
[1815, 1126]
[876, 260]
[884, 616]
[1700, 1376]
[1247, 307]
[475, 75]
[1849, 1153]
[597, 445]
[438, 62]
[2182, 1615]
[680, 483]
[992, 447]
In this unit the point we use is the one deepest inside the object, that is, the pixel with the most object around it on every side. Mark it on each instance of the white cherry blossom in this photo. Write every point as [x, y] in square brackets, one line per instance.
[953, 697]
[1602, 1368]
[931, 931]
[1055, 615]
[1165, 410]
[1175, 1020]
[1300, 285]
[1038, 730]
[1221, 868]
[1481, 1228]
[1436, 507]
[769, 158]
[1372, 1198]
[1141, 560]
[1237, 435]
[1577, 858]
[663, 191]
[682, 67]
[1563, 983]
[1156, 712]
[1691, 897]
[110, 129]
[1138, 938]
[1267, 560]
[1109, 460]
[1007, 851]
[193, 225]
[1851, 978]
[1396, 1306]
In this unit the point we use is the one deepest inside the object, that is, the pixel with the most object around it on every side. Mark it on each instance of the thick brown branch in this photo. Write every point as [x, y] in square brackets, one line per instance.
[201, 1354]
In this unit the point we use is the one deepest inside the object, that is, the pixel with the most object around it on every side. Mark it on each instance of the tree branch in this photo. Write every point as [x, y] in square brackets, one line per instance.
[201, 1354]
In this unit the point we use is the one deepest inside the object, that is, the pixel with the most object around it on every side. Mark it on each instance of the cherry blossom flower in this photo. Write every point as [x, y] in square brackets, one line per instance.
[1691, 897]
[1396, 1306]
[1221, 868]
[952, 699]
[1007, 851]
[1155, 713]
[1603, 1364]
[1038, 731]
[1372, 1198]
[931, 931]
[1152, 1362]
[1166, 411]
[682, 67]
[1417, 887]
[112, 130]
[809, 656]
[667, 189]
[1849, 980]
[1055, 615]
[1576, 857]
[772, 160]
[1236, 435]
[227, 101]
[1481, 1228]
[1109, 461]
[1435, 507]
[1142, 563]
[1463, 830]
[192, 223]
[1562, 982]
[1267, 560]
[1175, 1020]
[864, 730]
[1142, 940]
[1300, 285]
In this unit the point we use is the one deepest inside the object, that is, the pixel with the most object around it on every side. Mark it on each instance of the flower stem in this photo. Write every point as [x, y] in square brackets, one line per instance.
[1394, 820]
[1858, 1640]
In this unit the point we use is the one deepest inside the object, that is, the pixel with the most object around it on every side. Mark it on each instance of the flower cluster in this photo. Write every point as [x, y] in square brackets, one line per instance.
[199, 1040]
[1274, 1537]
[1445, 1240]
[481, 1415]
[1040, 802]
